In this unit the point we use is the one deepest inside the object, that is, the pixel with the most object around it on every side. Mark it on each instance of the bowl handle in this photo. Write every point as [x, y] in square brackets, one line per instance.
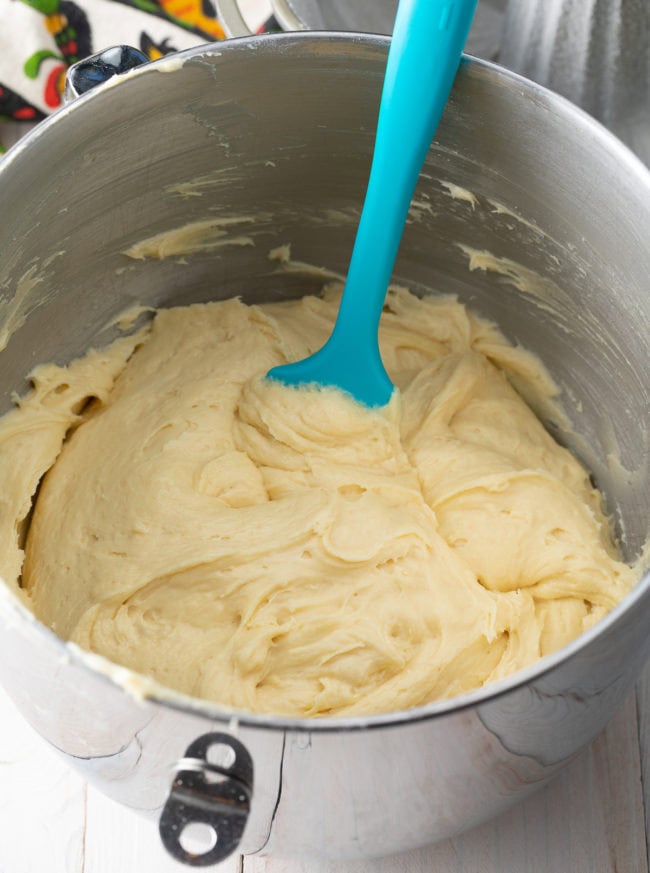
[97, 69]
[212, 788]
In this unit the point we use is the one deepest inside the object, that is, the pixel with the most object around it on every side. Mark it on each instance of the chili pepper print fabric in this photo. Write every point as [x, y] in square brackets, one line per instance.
[40, 39]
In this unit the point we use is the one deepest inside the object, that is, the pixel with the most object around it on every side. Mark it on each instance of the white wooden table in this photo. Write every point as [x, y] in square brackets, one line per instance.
[594, 818]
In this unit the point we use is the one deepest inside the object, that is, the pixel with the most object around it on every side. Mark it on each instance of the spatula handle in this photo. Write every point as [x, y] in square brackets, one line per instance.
[427, 45]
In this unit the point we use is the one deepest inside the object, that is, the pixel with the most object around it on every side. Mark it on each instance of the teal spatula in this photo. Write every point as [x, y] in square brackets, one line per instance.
[425, 51]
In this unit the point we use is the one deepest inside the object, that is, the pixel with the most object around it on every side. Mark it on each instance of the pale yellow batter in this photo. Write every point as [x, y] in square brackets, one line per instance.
[287, 550]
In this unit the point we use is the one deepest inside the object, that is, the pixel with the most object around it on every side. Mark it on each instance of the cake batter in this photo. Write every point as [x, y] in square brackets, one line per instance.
[289, 551]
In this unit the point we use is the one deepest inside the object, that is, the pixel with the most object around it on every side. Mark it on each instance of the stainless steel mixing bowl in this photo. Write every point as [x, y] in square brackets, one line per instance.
[278, 132]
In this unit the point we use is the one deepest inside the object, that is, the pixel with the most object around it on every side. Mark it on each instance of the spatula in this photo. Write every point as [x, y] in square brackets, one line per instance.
[425, 52]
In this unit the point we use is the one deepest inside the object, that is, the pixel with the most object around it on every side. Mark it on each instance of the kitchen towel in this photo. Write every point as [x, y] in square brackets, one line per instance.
[40, 39]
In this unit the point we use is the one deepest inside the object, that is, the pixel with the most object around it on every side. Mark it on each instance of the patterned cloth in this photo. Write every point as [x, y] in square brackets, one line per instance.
[39, 39]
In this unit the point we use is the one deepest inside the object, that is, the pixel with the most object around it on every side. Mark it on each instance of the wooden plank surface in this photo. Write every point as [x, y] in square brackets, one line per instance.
[42, 803]
[592, 819]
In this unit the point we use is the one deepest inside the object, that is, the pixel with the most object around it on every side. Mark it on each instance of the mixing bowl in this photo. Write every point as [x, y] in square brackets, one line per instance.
[530, 212]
